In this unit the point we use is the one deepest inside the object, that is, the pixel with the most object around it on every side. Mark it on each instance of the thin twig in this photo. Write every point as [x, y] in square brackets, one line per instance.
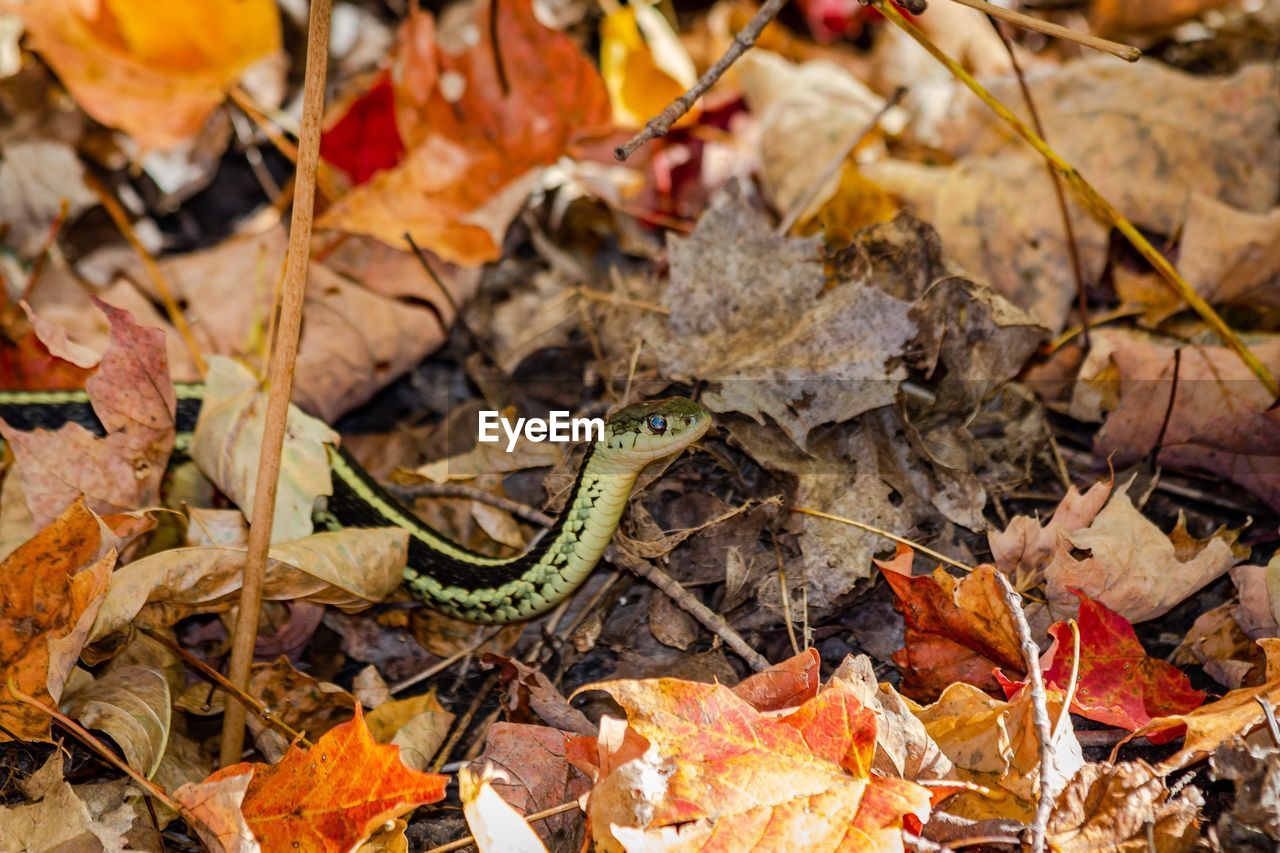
[1272, 728]
[801, 204]
[1126, 52]
[1068, 230]
[817, 513]
[470, 839]
[713, 622]
[121, 220]
[447, 662]
[1039, 715]
[37, 264]
[742, 42]
[1094, 200]
[924, 844]
[102, 750]
[1074, 683]
[460, 490]
[284, 355]
[246, 699]
[463, 723]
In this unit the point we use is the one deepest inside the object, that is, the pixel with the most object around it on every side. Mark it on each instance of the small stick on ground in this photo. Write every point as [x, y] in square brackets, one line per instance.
[463, 723]
[1039, 715]
[1272, 728]
[660, 124]
[458, 490]
[713, 622]
[1124, 51]
[284, 355]
[470, 839]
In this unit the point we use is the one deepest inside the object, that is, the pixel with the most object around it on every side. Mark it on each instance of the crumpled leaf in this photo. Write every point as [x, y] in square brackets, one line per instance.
[732, 778]
[476, 136]
[216, 802]
[996, 208]
[1215, 723]
[1253, 822]
[784, 685]
[1216, 642]
[58, 819]
[154, 71]
[349, 569]
[334, 795]
[1133, 568]
[305, 704]
[494, 824]
[1118, 683]
[228, 439]
[1124, 808]
[539, 776]
[749, 315]
[1025, 547]
[53, 588]
[418, 725]
[529, 693]
[134, 399]
[132, 705]
[644, 65]
[957, 629]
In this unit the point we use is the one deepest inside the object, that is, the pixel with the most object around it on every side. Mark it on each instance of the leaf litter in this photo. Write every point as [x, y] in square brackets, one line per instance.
[871, 289]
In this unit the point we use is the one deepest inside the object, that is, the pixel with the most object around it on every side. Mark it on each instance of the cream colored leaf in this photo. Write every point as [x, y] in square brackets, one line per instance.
[131, 704]
[496, 826]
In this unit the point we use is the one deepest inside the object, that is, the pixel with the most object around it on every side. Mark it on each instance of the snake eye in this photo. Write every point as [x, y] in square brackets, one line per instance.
[657, 424]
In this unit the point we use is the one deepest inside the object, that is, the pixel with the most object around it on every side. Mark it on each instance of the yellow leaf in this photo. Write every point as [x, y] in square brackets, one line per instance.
[644, 65]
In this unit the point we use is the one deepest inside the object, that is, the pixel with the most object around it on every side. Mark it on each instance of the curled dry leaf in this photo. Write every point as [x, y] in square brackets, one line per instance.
[1025, 546]
[332, 796]
[1216, 642]
[57, 818]
[216, 805]
[494, 824]
[530, 694]
[1123, 807]
[350, 569]
[228, 440]
[1254, 819]
[133, 398]
[477, 127]
[1133, 568]
[957, 630]
[784, 685]
[154, 71]
[53, 588]
[132, 705]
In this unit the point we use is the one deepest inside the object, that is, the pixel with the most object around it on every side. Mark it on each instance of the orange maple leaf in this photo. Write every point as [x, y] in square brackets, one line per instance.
[719, 774]
[332, 796]
[784, 685]
[957, 630]
[53, 586]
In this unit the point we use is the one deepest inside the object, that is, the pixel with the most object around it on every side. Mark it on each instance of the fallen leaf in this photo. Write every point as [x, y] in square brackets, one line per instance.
[132, 705]
[808, 774]
[349, 569]
[1025, 546]
[56, 818]
[494, 824]
[333, 795]
[1215, 723]
[1253, 820]
[53, 590]
[154, 72]
[1124, 808]
[37, 177]
[1115, 17]
[305, 704]
[1216, 643]
[1256, 614]
[363, 140]
[217, 804]
[644, 65]
[538, 776]
[1117, 682]
[1133, 568]
[418, 725]
[476, 136]
[529, 694]
[957, 630]
[1230, 256]
[133, 398]
[784, 685]
[228, 438]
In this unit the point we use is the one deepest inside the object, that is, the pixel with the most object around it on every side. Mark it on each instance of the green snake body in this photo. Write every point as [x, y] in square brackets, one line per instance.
[445, 575]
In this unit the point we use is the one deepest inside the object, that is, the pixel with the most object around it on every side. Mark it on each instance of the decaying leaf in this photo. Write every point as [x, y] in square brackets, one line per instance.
[131, 704]
[58, 819]
[418, 725]
[494, 824]
[53, 589]
[1254, 819]
[1125, 808]
[228, 439]
[333, 795]
[538, 776]
[134, 399]
[957, 630]
[305, 704]
[1025, 547]
[154, 71]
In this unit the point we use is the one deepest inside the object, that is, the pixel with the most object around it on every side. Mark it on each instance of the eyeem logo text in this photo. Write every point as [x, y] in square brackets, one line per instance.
[559, 427]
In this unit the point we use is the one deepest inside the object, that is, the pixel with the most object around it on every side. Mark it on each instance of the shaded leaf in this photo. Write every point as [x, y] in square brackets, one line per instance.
[58, 819]
[538, 776]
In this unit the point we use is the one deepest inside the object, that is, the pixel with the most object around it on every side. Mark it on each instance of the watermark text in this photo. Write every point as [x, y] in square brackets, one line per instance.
[560, 427]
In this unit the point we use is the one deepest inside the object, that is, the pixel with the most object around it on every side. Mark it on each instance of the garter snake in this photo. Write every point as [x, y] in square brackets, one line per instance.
[443, 574]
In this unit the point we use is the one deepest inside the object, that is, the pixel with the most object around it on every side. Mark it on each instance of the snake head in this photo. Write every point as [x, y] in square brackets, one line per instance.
[642, 432]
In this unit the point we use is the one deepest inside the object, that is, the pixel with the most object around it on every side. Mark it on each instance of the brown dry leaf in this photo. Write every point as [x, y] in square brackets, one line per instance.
[156, 71]
[1134, 568]
[1215, 723]
[1253, 822]
[132, 704]
[418, 725]
[1124, 127]
[1025, 547]
[994, 744]
[1116, 17]
[749, 315]
[134, 399]
[305, 704]
[350, 569]
[1230, 256]
[228, 438]
[529, 694]
[58, 819]
[478, 127]
[1256, 614]
[36, 178]
[54, 586]
[220, 823]
[1122, 808]
[539, 776]
[494, 824]
[494, 458]
[1217, 643]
